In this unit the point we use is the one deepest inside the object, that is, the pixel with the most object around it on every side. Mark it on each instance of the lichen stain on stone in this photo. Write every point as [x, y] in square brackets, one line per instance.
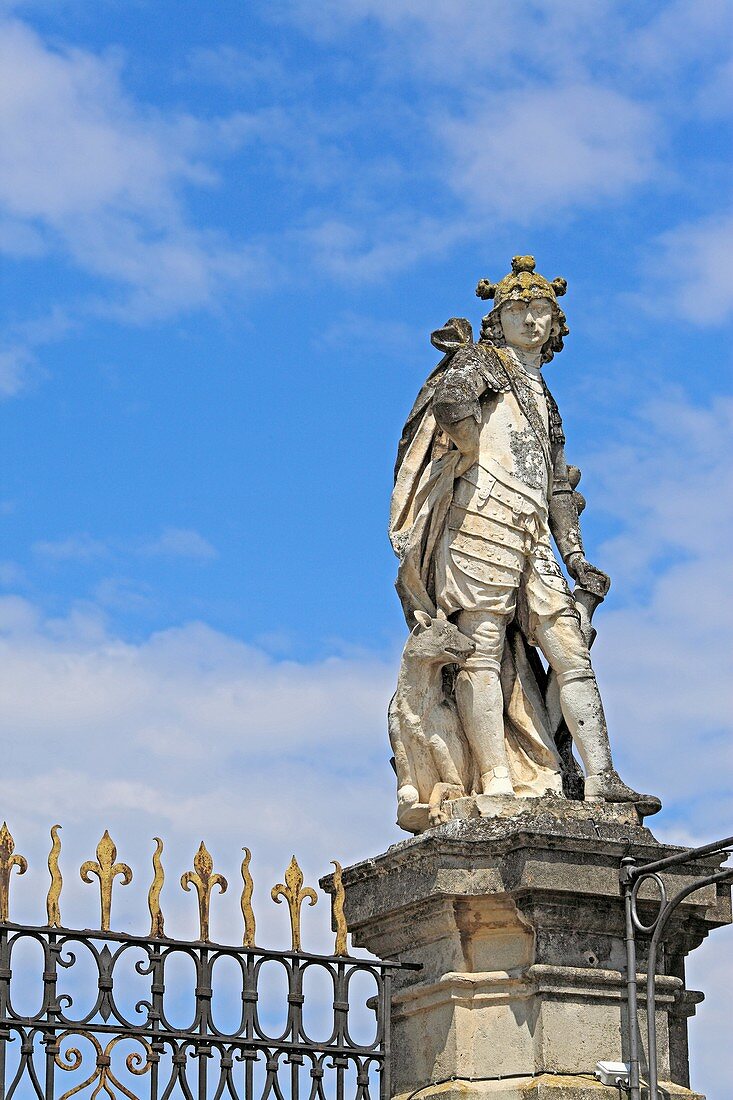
[528, 460]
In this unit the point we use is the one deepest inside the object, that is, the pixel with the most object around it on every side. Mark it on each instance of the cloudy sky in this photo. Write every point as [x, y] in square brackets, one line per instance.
[227, 232]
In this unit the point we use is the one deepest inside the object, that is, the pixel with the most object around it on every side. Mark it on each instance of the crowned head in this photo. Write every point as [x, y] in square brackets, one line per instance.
[525, 286]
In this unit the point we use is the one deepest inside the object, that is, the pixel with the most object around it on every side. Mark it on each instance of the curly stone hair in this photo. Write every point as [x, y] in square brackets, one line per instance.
[492, 332]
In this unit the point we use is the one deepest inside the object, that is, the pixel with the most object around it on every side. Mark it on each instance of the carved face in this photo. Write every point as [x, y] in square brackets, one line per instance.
[527, 325]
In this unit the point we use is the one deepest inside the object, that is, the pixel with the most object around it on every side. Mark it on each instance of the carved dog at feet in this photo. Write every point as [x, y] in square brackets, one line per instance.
[431, 754]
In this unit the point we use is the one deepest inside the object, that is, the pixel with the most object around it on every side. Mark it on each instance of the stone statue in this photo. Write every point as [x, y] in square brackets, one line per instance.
[481, 485]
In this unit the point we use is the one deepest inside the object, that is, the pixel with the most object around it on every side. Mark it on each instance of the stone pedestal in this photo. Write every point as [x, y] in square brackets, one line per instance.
[519, 926]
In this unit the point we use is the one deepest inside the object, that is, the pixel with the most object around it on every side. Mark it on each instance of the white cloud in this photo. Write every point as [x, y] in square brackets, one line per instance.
[534, 152]
[664, 654]
[181, 542]
[450, 41]
[81, 547]
[235, 69]
[88, 170]
[189, 734]
[681, 34]
[16, 367]
[710, 969]
[175, 542]
[186, 689]
[692, 262]
[459, 42]
[21, 341]
[352, 250]
[124, 594]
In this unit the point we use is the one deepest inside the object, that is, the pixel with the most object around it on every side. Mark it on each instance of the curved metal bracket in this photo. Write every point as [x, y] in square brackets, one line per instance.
[632, 878]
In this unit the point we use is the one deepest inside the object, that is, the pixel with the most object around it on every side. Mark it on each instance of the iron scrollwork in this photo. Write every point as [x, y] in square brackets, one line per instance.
[247, 1058]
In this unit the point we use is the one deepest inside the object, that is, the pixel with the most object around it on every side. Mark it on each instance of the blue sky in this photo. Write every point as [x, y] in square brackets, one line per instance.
[226, 233]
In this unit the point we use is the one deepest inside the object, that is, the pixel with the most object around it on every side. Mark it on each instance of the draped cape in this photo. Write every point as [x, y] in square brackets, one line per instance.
[423, 491]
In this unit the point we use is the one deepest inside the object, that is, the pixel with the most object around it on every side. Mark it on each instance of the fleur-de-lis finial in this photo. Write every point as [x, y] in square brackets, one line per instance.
[106, 869]
[248, 916]
[295, 894]
[339, 917]
[157, 927]
[7, 862]
[203, 878]
[53, 899]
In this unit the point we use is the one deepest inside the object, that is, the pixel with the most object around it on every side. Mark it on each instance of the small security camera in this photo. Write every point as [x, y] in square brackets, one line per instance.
[613, 1073]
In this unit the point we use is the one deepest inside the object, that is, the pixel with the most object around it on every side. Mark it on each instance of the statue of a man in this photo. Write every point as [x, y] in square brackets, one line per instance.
[481, 486]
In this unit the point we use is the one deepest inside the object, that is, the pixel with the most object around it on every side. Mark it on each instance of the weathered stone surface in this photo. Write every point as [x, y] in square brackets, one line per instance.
[548, 1086]
[518, 925]
[482, 489]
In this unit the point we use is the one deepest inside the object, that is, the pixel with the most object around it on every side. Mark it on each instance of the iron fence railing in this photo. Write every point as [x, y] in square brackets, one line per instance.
[97, 1048]
[115, 1014]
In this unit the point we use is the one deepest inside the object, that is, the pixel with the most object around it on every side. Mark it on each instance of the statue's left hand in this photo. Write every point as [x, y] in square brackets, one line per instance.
[588, 576]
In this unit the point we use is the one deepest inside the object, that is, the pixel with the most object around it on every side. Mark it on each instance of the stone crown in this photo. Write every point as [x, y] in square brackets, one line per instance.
[523, 284]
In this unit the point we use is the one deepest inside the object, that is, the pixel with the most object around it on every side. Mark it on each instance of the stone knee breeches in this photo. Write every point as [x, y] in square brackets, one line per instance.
[561, 641]
[487, 630]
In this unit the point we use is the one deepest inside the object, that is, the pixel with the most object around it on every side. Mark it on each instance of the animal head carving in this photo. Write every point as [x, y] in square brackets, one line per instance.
[438, 641]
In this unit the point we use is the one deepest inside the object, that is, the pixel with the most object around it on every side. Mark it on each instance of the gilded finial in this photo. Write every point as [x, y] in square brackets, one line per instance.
[339, 917]
[157, 928]
[295, 894]
[53, 899]
[7, 862]
[106, 869]
[203, 878]
[248, 940]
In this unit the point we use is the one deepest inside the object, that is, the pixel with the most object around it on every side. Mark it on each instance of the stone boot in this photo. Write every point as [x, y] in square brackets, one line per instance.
[607, 786]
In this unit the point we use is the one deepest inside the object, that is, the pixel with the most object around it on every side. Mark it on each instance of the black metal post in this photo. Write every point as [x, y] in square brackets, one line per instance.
[627, 886]
[632, 877]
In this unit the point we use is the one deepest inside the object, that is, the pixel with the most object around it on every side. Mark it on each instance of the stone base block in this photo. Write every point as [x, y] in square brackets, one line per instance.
[548, 1086]
[474, 806]
[518, 925]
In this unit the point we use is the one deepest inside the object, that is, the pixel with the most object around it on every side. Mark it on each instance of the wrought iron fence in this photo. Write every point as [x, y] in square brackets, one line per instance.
[632, 878]
[129, 1039]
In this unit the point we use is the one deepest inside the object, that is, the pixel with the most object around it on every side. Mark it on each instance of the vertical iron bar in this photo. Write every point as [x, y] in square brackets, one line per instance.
[50, 993]
[632, 1006]
[203, 1006]
[651, 1008]
[249, 1001]
[295, 1002]
[4, 980]
[203, 1068]
[340, 1005]
[385, 1091]
[4, 996]
[157, 990]
[249, 1079]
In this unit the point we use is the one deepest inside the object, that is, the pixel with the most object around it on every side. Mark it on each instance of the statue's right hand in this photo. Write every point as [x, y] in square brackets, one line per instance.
[465, 435]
